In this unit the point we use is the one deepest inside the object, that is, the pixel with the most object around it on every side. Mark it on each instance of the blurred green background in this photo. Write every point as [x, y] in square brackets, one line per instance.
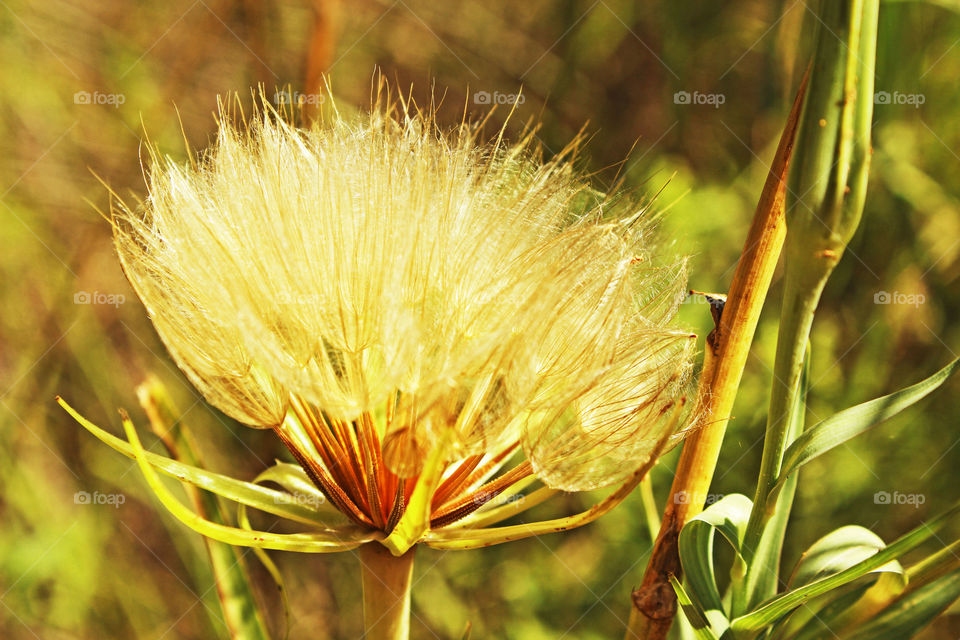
[81, 83]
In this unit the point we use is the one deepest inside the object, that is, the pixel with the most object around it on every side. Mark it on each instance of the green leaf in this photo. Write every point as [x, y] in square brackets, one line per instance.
[884, 590]
[682, 629]
[772, 611]
[837, 551]
[935, 565]
[833, 611]
[729, 516]
[851, 422]
[912, 612]
[816, 619]
[695, 615]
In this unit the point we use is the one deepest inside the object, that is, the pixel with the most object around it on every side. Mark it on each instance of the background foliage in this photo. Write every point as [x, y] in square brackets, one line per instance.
[71, 325]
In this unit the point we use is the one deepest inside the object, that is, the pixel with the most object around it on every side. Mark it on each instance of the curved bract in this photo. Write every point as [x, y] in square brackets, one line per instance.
[301, 503]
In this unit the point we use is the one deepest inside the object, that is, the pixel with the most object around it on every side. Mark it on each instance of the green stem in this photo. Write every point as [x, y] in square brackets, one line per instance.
[386, 592]
[800, 302]
[650, 512]
[761, 577]
[824, 204]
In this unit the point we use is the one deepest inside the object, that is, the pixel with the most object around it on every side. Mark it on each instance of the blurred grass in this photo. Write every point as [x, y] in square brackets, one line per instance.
[71, 570]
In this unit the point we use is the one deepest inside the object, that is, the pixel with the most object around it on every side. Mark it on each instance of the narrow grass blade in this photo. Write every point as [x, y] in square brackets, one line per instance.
[910, 614]
[851, 422]
[815, 620]
[772, 611]
[244, 521]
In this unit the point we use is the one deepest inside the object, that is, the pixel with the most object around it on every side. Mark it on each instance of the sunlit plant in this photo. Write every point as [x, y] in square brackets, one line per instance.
[850, 583]
[443, 332]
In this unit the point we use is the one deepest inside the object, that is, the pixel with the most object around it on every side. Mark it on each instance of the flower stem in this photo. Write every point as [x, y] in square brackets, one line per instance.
[386, 592]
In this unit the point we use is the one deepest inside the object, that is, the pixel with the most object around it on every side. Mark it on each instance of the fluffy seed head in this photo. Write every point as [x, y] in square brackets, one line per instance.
[423, 280]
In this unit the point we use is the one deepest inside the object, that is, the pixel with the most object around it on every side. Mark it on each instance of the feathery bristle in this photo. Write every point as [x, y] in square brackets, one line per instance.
[421, 280]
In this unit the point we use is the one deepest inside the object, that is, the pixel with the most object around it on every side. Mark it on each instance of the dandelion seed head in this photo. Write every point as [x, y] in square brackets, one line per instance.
[382, 267]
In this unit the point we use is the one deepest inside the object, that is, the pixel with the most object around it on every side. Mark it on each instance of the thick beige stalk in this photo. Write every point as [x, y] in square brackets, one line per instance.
[386, 592]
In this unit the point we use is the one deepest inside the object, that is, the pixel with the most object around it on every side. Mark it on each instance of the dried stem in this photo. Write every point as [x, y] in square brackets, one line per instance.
[654, 602]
